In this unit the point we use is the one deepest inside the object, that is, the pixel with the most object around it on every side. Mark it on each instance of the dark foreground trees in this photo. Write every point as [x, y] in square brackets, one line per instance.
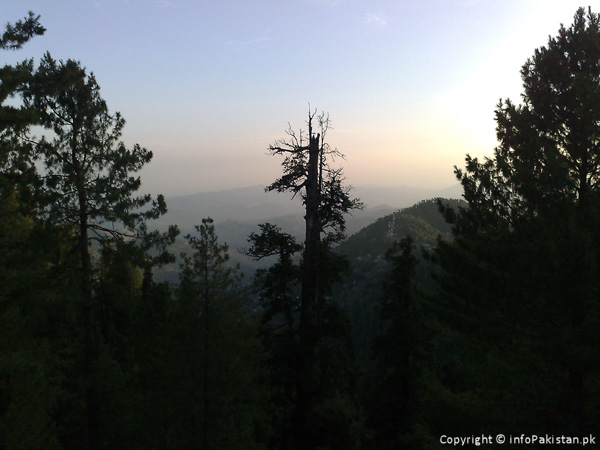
[521, 279]
[88, 182]
[394, 395]
[74, 190]
[216, 351]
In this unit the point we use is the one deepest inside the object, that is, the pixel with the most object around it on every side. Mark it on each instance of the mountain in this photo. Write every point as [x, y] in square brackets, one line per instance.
[366, 249]
[362, 288]
[398, 197]
[371, 233]
[237, 212]
[253, 205]
[422, 221]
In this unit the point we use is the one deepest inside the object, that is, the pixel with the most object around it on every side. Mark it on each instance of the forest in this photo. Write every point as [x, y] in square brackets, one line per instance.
[448, 319]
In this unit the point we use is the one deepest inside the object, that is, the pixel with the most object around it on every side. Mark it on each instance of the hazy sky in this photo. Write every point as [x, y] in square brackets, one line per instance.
[410, 85]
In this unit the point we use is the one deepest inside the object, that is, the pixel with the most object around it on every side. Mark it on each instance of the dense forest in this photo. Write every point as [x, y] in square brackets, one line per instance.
[447, 319]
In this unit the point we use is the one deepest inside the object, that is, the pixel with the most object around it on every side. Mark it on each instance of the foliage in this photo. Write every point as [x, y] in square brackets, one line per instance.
[216, 351]
[394, 399]
[87, 169]
[16, 35]
[521, 274]
[15, 164]
[38, 319]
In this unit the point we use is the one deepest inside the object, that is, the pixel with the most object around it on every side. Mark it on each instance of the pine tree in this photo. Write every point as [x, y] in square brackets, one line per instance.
[308, 172]
[521, 275]
[36, 281]
[216, 349]
[278, 296]
[15, 36]
[87, 183]
[393, 401]
[16, 168]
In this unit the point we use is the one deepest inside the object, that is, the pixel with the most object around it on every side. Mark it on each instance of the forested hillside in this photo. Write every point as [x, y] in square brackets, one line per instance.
[447, 318]
[422, 221]
[362, 288]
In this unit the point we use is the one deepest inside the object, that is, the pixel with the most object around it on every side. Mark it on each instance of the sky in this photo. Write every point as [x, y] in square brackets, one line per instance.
[410, 85]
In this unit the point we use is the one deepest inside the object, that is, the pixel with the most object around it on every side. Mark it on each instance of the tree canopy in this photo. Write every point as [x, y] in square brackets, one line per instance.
[521, 274]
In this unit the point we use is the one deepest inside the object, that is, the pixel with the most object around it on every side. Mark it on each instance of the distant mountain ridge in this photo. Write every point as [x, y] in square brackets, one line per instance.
[252, 204]
[422, 221]
[237, 212]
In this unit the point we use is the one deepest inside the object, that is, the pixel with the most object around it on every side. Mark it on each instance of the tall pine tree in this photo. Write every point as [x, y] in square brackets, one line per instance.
[215, 349]
[87, 183]
[521, 277]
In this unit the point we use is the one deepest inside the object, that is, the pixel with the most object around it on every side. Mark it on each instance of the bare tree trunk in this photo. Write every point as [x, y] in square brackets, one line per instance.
[308, 333]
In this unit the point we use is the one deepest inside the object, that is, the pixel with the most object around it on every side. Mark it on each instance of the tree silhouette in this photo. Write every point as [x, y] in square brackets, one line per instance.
[521, 273]
[308, 172]
[216, 348]
[87, 181]
[16, 169]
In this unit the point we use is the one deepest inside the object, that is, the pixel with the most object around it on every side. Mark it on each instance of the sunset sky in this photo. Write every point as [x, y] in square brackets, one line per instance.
[410, 85]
